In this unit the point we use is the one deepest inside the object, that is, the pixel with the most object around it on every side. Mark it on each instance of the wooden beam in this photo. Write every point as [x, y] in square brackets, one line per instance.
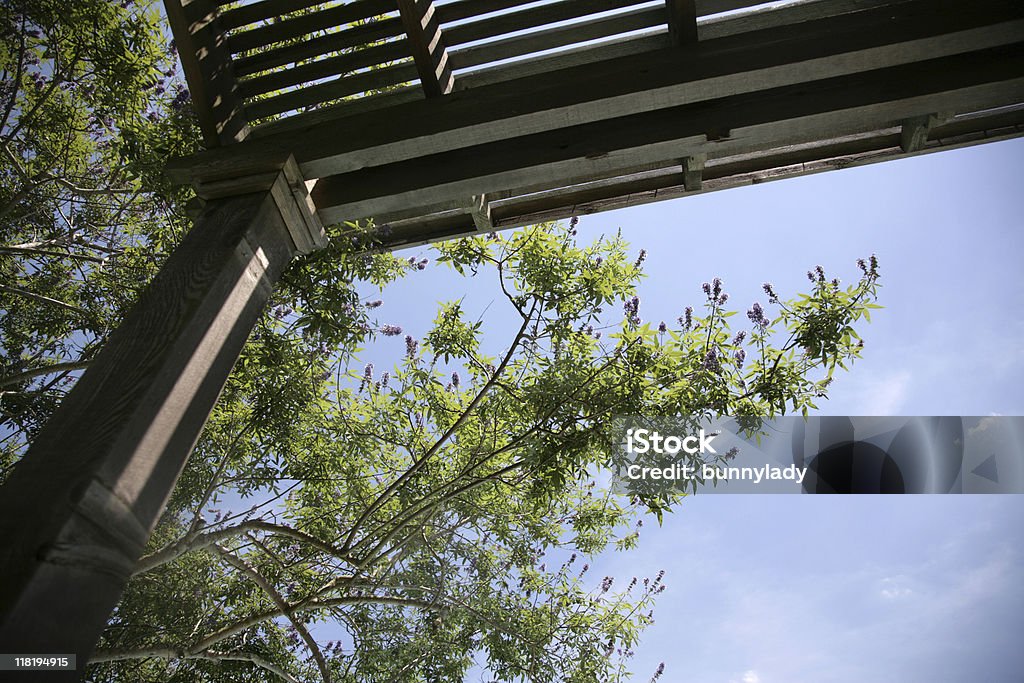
[730, 174]
[682, 21]
[663, 184]
[77, 510]
[427, 45]
[774, 57]
[758, 121]
[207, 66]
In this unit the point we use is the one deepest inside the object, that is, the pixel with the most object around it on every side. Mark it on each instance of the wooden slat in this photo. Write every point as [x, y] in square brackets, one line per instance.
[427, 46]
[324, 68]
[464, 9]
[706, 7]
[530, 18]
[766, 117]
[720, 27]
[357, 37]
[296, 27]
[332, 90]
[333, 112]
[592, 29]
[565, 59]
[208, 71]
[261, 11]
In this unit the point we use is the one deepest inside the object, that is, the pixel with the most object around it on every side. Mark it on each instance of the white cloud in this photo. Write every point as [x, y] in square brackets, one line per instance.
[751, 677]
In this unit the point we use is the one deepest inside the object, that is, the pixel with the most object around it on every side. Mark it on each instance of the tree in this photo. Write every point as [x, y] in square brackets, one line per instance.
[88, 113]
[437, 515]
[434, 510]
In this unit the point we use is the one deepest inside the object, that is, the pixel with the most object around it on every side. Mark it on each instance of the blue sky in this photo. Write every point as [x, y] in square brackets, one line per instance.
[786, 589]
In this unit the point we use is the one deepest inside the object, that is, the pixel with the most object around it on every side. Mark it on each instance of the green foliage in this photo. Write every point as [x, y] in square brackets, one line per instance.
[335, 521]
[88, 114]
[438, 515]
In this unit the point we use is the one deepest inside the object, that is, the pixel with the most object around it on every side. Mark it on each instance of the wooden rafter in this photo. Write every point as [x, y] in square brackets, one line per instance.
[682, 21]
[427, 45]
[207, 66]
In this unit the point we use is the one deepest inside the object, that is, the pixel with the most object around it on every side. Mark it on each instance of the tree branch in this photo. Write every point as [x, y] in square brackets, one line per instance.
[44, 299]
[187, 544]
[419, 463]
[172, 653]
[45, 370]
[282, 604]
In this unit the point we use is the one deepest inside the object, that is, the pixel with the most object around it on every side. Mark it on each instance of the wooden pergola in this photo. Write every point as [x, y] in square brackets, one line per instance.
[447, 118]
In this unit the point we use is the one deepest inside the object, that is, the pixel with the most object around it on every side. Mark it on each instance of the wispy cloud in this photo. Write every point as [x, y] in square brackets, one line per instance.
[893, 589]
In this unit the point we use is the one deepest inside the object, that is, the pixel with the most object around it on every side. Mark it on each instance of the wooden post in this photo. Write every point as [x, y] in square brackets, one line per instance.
[77, 511]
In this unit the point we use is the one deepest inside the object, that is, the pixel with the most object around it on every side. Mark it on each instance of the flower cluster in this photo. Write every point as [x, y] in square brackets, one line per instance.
[367, 377]
[711, 361]
[632, 310]
[390, 330]
[757, 316]
[869, 270]
[713, 291]
[686, 320]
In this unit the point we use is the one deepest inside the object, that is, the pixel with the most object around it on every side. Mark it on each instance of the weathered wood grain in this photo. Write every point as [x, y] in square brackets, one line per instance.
[769, 58]
[77, 510]
[756, 120]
